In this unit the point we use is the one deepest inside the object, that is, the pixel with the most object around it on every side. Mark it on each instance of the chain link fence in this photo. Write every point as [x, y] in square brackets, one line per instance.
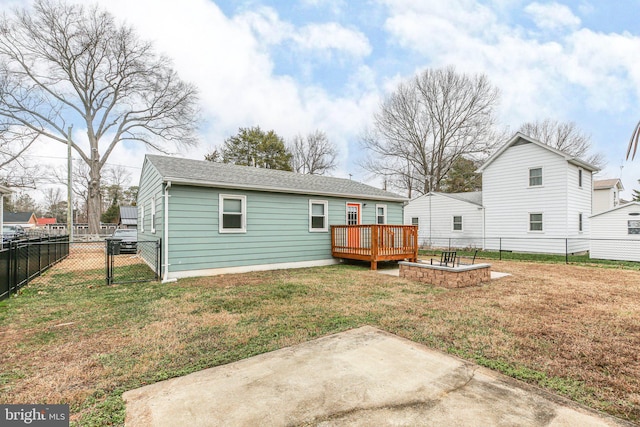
[76, 263]
[569, 250]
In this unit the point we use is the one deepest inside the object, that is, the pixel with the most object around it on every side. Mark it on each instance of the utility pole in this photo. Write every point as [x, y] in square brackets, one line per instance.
[69, 188]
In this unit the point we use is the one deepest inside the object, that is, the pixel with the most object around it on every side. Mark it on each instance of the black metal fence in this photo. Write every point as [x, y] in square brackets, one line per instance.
[22, 260]
[131, 263]
[572, 249]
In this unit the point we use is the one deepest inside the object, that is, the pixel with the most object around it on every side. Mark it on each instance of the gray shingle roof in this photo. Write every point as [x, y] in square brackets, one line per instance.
[474, 197]
[211, 174]
[128, 215]
[16, 217]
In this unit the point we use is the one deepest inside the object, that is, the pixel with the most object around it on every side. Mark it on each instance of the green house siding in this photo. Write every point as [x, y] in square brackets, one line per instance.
[277, 228]
[150, 191]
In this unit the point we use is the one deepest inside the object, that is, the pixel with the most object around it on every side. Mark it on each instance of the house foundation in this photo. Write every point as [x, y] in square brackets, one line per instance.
[446, 277]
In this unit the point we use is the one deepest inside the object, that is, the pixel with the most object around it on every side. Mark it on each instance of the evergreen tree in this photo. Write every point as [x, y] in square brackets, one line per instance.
[254, 147]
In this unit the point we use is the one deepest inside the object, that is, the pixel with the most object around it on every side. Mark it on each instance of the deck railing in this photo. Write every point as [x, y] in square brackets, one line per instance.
[375, 242]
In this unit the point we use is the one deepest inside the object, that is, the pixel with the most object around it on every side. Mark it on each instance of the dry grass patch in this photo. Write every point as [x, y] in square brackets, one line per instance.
[573, 330]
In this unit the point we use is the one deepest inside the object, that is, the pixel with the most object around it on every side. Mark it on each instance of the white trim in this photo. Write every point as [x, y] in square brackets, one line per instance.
[346, 212]
[580, 177]
[541, 177]
[384, 214]
[541, 222]
[453, 222]
[243, 213]
[580, 222]
[142, 218]
[251, 268]
[153, 214]
[324, 203]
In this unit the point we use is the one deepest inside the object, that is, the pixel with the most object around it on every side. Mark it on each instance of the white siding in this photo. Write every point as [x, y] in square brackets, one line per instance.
[603, 200]
[578, 201]
[435, 214]
[610, 237]
[508, 200]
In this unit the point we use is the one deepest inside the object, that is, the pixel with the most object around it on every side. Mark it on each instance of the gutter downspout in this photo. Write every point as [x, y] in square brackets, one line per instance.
[165, 244]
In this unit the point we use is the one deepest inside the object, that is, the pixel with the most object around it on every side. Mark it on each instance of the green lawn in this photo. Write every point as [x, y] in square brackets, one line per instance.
[84, 343]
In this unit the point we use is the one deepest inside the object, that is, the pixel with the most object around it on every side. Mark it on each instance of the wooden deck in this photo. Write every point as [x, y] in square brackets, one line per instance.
[375, 243]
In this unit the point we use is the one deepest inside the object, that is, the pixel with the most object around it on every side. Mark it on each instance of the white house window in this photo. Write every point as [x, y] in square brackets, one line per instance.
[580, 222]
[318, 215]
[535, 222]
[381, 214]
[142, 219]
[232, 214]
[414, 220]
[633, 226]
[535, 177]
[615, 198]
[457, 223]
[580, 178]
[153, 214]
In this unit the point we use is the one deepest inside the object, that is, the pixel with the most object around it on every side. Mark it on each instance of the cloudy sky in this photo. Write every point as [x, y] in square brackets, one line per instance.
[301, 65]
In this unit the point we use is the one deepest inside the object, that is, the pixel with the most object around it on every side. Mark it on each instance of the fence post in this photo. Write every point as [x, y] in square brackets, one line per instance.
[566, 251]
[500, 250]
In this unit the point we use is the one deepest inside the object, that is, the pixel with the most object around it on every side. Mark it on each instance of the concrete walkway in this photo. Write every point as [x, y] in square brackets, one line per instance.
[361, 377]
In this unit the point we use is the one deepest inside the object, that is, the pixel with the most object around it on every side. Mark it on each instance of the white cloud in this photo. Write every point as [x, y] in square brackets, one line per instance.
[323, 38]
[552, 16]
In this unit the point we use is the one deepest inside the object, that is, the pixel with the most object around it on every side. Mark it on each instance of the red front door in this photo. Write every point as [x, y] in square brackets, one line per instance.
[353, 218]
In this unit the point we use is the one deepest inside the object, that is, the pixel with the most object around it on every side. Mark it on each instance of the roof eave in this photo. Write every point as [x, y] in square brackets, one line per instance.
[197, 183]
[583, 164]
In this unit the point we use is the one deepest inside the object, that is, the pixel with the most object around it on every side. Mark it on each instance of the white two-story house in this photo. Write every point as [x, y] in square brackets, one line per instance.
[533, 198]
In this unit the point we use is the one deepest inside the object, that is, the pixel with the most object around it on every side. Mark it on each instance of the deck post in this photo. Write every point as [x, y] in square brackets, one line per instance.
[414, 235]
[374, 247]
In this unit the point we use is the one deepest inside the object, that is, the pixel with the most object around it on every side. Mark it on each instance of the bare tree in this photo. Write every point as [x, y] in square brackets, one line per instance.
[429, 122]
[55, 204]
[313, 154]
[64, 64]
[564, 136]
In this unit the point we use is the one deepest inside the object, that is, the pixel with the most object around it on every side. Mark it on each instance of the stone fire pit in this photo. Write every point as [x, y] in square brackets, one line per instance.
[447, 277]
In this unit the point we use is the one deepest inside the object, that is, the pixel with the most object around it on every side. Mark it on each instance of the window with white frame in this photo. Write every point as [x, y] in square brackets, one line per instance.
[580, 178]
[580, 222]
[535, 222]
[457, 223]
[633, 226]
[415, 220]
[381, 214]
[318, 215]
[153, 214]
[232, 211]
[142, 219]
[535, 177]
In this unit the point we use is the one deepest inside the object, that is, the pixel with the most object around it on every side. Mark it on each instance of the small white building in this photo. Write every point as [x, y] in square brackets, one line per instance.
[615, 234]
[445, 219]
[606, 194]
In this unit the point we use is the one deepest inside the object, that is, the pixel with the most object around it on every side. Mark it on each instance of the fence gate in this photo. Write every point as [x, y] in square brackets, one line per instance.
[131, 263]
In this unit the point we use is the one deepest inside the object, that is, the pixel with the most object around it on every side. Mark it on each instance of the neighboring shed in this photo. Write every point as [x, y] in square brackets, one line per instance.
[615, 234]
[128, 217]
[447, 218]
[25, 219]
[217, 218]
[606, 194]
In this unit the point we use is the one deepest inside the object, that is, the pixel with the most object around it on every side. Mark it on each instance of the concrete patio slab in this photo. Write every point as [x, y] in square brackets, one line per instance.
[360, 377]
